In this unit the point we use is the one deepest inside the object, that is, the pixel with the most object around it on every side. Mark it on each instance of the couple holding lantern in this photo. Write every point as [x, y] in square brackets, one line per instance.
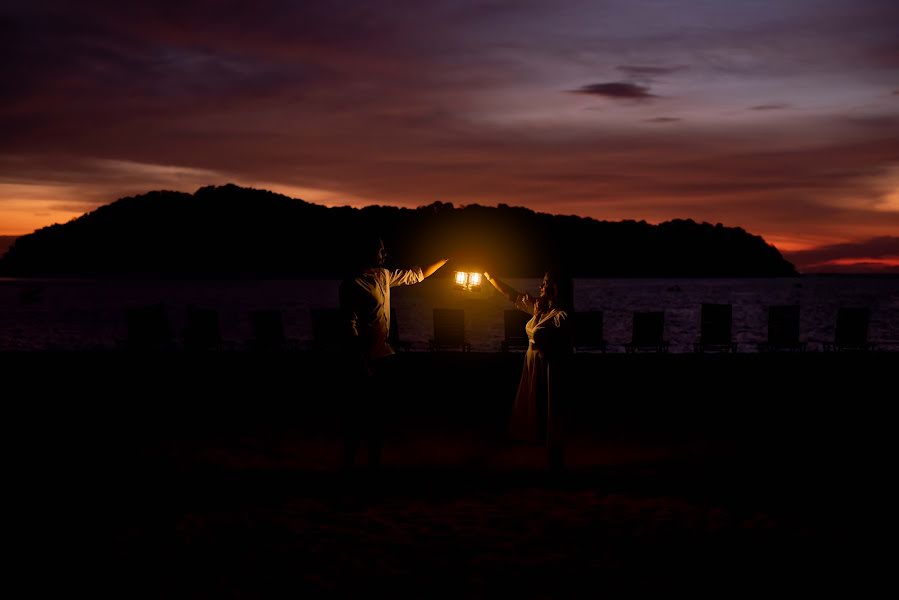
[365, 305]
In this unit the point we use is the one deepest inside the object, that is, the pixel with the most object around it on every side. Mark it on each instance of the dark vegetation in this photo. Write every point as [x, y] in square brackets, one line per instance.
[229, 231]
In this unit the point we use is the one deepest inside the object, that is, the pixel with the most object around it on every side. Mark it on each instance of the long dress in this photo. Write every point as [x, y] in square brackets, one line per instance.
[536, 414]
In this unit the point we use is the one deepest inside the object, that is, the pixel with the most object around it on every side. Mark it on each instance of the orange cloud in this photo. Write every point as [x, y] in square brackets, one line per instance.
[889, 261]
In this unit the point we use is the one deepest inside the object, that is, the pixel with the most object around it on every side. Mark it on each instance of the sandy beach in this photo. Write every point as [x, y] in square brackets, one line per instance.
[181, 475]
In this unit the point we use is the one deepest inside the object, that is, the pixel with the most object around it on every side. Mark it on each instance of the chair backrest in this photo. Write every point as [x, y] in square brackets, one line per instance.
[783, 325]
[202, 331]
[268, 329]
[587, 329]
[852, 326]
[514, 321]
[649, 328]
[449, 327]
[715, 324]
[148, 328]
[327, 328]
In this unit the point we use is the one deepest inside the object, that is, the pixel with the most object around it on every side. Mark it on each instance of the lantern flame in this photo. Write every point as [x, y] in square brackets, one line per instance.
[470, 282]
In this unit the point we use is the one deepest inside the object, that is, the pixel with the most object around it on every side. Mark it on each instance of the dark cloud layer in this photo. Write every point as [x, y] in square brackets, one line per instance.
[772, 106]
[617, 90]
[648, 72]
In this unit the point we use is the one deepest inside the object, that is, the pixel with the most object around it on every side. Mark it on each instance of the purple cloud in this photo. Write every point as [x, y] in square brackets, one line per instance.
[648, 72]
[617, 90]
[772, 106]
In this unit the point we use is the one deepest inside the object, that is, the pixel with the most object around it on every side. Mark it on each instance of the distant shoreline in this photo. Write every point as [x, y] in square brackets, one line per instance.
[447, 275]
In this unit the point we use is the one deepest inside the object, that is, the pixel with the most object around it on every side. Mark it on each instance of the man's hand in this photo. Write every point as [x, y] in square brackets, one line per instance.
[430, 270]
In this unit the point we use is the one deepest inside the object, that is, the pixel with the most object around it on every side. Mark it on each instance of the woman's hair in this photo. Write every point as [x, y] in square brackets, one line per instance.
[562, 296]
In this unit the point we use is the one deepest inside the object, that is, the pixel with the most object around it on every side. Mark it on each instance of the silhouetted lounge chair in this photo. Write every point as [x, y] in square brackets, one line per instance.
[852, 330]
[327, 329]
[587, 330]
[202, 333]
[148, 329]
[393, 337]
[715, 329]
[268, 331]
[449, 330]
[648, 332]
[783, 329]
[516, 338]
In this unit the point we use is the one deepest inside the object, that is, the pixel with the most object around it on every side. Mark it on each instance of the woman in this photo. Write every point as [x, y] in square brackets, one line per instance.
[537, 412]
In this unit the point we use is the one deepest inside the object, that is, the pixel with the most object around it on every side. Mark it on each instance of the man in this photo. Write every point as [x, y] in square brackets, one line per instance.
[365, 309]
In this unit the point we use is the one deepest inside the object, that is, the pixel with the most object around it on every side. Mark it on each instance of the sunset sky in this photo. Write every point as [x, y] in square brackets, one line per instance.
[778, 116]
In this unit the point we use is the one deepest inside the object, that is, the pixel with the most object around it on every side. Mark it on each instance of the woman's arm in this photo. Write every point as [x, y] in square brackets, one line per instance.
[506, 290]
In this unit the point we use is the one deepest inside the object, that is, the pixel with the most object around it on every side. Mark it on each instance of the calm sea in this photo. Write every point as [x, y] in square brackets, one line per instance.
[82, 314]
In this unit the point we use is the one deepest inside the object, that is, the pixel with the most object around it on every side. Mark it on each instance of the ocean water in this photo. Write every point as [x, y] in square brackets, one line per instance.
[84, 314]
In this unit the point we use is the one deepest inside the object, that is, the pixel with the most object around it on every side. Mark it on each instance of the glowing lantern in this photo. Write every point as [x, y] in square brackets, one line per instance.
[470, 282]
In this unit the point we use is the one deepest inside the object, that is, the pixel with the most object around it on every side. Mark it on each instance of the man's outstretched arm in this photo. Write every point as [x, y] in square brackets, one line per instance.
[431, 269]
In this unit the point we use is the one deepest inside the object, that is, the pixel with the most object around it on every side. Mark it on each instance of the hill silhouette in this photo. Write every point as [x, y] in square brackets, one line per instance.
[230, 231]
[5, 242]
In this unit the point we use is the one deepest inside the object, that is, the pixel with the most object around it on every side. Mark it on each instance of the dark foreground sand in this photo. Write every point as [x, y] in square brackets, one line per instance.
[217, 476]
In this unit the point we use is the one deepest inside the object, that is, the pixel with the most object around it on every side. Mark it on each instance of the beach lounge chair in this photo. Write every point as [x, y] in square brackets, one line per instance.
[515, 337]
[327, 329]
[202, 332]
[588, 331]
[783, 329]
[851, 331]
[715, 329]
[393, 337]
[148, 329]
[648, 332]
[449, 330]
